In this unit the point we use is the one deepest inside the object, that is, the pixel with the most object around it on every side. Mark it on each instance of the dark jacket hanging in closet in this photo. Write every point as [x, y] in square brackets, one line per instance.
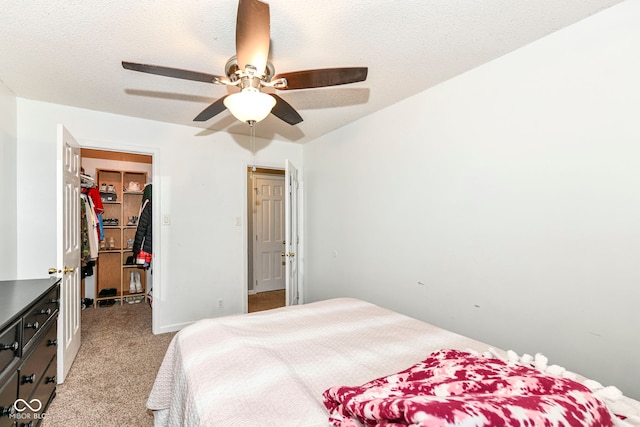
[142, 239]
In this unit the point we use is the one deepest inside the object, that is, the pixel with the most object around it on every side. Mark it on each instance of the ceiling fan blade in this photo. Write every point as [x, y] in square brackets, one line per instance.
[253, 34]
[172, 72]
[323, 77]
[284, 111]
[212, 110]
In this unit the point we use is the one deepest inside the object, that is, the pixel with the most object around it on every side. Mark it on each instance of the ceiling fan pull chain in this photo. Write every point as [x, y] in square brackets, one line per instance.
[252, 126]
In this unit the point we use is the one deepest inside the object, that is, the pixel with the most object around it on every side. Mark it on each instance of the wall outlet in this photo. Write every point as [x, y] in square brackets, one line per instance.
[220, 304]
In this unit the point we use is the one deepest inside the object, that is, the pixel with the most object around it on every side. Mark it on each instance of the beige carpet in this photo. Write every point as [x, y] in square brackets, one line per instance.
[112, 375]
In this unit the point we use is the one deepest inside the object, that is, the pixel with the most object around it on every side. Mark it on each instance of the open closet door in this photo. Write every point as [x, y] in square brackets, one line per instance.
[292, 292]
[68, 249]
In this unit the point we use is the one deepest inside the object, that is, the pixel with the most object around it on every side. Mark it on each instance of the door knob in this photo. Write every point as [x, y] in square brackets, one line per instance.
[53, 270]
[69, 270]
[292, 254]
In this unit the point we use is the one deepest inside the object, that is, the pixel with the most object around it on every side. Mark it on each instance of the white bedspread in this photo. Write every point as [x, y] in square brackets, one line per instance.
[270, 368]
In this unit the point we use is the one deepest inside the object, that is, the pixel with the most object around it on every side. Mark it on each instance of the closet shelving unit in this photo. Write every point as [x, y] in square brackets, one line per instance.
[112, 270]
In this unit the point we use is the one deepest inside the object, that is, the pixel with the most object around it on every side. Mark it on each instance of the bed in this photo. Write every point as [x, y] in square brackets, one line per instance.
[300, 365]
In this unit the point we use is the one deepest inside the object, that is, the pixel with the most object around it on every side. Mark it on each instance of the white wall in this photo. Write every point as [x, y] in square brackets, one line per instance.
[503, 204]
[199, 181]
[8, 146]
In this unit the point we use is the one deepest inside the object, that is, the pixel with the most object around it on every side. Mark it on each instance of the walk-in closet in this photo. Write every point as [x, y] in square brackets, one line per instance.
[117, 222]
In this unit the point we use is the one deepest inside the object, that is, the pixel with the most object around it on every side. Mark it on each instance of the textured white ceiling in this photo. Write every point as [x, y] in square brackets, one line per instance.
[69, 52]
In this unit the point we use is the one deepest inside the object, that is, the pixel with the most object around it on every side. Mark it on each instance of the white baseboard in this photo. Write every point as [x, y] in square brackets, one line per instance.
[170, 328]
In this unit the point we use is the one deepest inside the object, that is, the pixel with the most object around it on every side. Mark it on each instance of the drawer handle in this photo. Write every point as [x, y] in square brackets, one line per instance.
[46, 311]
[13, 346]
[53, 342]
[50, 380]
[34, 325]
[28, 379]
[7, 412]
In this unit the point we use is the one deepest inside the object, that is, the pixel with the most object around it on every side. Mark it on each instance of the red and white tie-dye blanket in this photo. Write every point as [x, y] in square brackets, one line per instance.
[457, 388]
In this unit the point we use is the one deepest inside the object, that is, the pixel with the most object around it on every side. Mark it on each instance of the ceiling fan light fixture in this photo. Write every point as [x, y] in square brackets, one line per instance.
[250, 105]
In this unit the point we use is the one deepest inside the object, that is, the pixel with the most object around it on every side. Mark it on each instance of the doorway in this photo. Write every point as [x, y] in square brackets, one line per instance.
[123, 182]
[266, 235]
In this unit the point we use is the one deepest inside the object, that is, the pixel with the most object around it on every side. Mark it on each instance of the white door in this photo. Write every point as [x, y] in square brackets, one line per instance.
[269, 265]
[292, 235]
[68, 223]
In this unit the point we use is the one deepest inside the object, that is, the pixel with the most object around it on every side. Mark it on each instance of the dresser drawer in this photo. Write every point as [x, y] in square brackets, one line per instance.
[44, 392]
[43, 310]
[9, 345]
[37, 361]
[8, 396]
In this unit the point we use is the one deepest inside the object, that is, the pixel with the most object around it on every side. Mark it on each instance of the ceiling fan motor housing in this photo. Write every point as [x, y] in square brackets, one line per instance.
[233, 71]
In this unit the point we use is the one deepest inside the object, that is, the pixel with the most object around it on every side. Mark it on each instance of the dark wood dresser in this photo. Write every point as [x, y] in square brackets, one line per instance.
[28, 347]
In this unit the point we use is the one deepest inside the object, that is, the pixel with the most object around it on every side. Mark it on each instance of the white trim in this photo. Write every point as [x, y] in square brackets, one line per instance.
[278, 175]
[245, 227]
[245, 236]
[170, 328]
[301, 235]
[156, 219]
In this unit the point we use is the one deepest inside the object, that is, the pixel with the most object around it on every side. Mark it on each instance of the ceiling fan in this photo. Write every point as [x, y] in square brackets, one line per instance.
[251, 71]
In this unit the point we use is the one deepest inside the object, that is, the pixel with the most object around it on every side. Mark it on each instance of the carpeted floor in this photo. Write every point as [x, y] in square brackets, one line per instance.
[111, 378]
[266, 301]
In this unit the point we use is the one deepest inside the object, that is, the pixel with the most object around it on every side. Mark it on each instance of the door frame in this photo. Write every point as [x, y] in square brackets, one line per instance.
[292, 234]
[244, 274]
[156, 180]
[252, 220]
